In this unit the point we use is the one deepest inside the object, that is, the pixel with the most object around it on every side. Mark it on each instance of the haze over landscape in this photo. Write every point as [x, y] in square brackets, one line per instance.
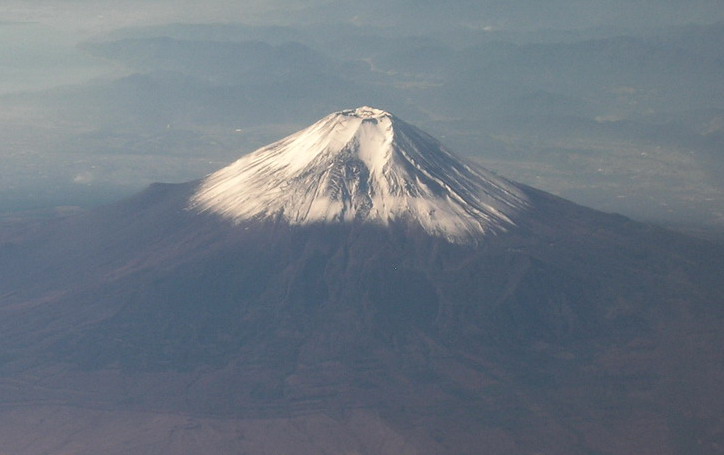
[613, 104]
[371, 228]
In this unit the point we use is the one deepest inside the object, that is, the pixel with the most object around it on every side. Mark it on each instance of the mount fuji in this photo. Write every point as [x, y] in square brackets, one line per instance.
[356, 288]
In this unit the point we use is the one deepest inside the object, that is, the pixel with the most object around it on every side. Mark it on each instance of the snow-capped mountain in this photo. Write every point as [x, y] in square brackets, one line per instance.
[363, 165]
[351, 308]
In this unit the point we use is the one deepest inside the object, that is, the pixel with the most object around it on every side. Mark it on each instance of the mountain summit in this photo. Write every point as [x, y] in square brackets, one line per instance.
[363, 165]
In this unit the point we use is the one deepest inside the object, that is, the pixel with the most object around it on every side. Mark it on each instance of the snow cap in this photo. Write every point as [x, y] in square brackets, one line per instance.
[363, 165]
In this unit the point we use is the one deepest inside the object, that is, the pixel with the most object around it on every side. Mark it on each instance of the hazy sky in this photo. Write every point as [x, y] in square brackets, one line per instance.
[92, 16]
